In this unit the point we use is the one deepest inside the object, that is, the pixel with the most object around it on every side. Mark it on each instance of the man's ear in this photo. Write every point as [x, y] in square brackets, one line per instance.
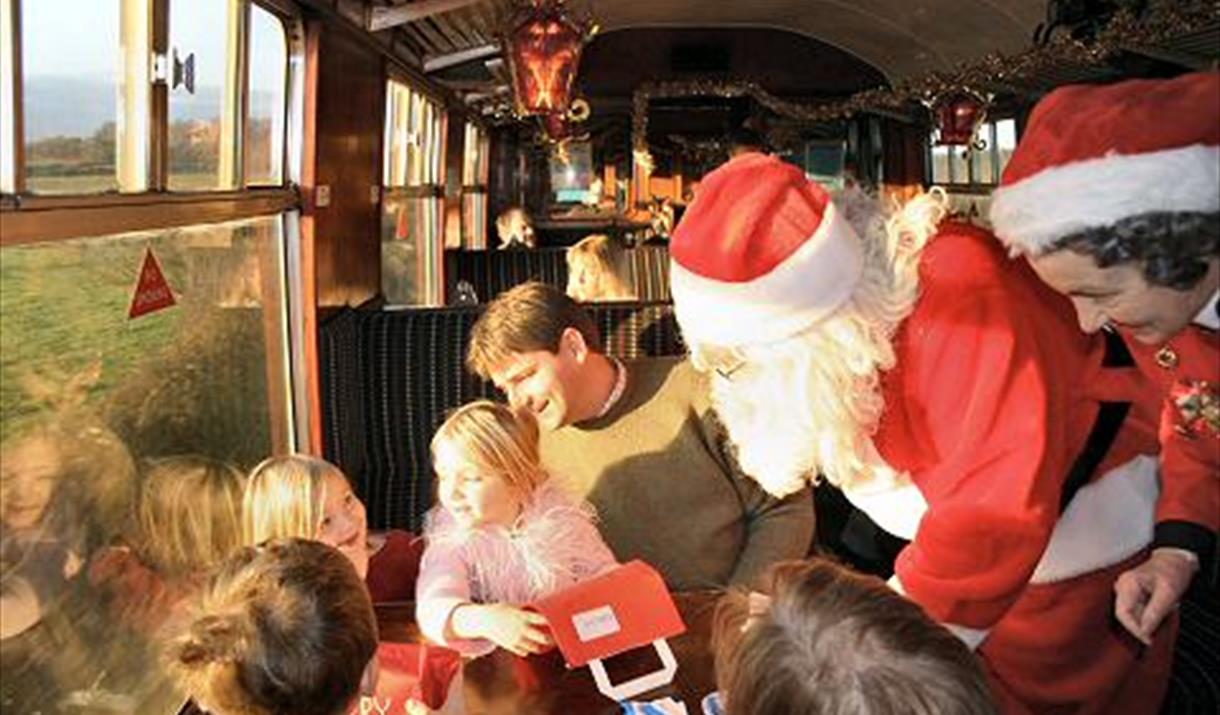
[573, 344]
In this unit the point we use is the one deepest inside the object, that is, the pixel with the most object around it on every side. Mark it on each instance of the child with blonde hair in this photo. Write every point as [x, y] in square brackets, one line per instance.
[286, 627]
[305, 497]
[188, 521]
[502, 536]
[598, 270]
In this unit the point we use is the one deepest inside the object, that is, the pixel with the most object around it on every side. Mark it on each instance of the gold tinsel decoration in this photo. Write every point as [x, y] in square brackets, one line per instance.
[1163, 20]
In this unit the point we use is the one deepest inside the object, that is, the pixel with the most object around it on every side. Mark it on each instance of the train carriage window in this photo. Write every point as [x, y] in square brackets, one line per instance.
[474, 187]
[268, 58]
[413, 204]
[91, 402]
[951, 166]
[84, 101]
[205, 96]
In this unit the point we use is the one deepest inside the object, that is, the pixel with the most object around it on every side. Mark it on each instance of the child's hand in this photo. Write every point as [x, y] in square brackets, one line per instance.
[514, 629]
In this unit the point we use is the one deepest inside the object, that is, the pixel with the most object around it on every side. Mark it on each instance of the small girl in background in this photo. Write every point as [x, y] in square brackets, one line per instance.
[502, 536]
[188, 521]
[598, 270]
[286, 627]
[309, 498]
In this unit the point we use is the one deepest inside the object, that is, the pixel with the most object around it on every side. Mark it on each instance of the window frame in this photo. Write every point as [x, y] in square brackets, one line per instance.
[972, 184]
[474, 237]
[30, 218]
[429, 270]
[44, 217]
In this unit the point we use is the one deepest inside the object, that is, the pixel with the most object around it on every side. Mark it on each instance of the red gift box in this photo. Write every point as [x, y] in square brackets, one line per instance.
[627, 608]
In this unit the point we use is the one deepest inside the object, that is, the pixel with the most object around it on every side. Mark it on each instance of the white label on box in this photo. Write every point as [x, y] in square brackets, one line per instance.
[597, 623]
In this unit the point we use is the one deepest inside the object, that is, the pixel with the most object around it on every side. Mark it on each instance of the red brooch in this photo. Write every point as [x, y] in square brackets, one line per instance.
[1198, 403]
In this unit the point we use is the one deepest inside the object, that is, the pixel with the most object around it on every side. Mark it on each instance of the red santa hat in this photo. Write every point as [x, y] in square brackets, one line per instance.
[1093, 155]
[760, 255]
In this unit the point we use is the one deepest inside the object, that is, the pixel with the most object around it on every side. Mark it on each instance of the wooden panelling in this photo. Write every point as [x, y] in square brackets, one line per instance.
[351, 101]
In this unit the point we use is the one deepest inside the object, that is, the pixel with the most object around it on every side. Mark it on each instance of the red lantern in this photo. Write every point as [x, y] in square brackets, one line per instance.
[958, 116]
[556, 126]
[543, 47]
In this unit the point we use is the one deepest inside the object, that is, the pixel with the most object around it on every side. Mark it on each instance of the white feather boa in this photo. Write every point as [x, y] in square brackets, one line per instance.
[552, 545]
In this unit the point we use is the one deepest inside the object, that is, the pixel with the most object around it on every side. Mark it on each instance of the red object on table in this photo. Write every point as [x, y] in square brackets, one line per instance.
[413, 671]
[626, 608]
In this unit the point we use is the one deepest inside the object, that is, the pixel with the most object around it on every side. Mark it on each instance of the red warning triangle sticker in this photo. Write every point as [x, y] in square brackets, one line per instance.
[152, 291]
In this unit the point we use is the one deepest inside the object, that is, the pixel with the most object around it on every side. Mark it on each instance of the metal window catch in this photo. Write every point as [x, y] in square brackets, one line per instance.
[184, 72]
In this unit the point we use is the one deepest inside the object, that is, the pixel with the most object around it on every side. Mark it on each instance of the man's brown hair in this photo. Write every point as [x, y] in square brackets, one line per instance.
[834, 642]
[524, 319]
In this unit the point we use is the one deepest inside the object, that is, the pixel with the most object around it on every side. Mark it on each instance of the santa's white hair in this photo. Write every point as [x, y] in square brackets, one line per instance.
[808, 405]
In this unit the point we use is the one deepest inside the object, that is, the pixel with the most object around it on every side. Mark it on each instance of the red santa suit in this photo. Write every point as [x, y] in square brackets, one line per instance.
[986, 413]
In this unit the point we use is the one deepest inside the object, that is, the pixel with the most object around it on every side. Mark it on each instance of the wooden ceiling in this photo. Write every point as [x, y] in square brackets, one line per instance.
[865, 42]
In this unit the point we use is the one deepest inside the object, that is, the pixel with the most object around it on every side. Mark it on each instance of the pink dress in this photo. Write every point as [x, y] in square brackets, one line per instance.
[553, 544]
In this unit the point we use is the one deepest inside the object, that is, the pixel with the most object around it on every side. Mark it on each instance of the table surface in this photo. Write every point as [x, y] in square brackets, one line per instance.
[503, 684]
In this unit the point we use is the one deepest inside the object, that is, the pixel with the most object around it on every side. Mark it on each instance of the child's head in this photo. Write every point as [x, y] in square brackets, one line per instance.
[286, 627]
[32, 463]
[309, 498]
[834, 641]
[597, 270]
[487, 463]
[513, 227]
[189, 514]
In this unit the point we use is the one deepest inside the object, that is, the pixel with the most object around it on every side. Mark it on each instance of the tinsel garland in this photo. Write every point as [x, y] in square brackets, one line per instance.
[1163, 20]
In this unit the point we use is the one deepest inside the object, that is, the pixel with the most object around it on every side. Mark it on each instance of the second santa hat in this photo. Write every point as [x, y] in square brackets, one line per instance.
[1094, 155]
[761, 254]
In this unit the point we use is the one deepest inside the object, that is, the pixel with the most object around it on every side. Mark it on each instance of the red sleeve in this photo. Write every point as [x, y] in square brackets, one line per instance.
[984, 415]
[1188, 512]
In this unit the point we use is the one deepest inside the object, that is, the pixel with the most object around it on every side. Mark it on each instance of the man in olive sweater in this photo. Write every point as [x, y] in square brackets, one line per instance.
[639, 441]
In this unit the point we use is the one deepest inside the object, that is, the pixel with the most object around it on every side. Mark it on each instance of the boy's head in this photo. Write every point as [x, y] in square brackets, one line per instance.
[831, 641]
[535, 343]
[285, 627]
[486, 459]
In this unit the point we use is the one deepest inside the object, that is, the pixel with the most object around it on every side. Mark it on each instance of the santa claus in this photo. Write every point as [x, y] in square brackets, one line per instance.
[942, 388]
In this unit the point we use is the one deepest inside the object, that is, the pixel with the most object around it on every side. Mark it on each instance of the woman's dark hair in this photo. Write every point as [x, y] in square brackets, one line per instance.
[1173, 247]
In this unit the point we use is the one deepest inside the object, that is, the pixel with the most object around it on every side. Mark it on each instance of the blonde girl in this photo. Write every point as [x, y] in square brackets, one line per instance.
[598, 271]
[305, 497]
[188, 521]
[502, 536]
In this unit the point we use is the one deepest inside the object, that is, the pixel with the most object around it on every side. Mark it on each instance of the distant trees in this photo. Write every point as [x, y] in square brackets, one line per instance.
[194, 148]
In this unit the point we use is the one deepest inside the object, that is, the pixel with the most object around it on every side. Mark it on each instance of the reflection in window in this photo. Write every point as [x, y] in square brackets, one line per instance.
[265, 125]
[410, 252]
[85, 95]
[86, 395]
[203, 124]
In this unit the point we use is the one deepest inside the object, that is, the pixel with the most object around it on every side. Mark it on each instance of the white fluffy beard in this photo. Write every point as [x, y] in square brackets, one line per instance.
[768, 427]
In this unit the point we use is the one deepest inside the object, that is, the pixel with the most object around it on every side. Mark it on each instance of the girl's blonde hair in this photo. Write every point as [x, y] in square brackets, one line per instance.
[285, 498]
[189, 515]
[494, 438]
[287, 627]
[602, 262]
